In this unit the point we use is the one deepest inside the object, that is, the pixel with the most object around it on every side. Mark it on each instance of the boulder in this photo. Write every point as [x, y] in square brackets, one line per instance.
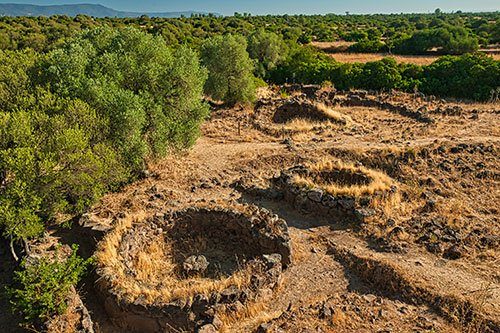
[195, 265]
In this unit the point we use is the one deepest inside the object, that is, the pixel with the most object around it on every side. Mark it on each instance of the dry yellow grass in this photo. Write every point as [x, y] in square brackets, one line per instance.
[378, 180]
[337, 46]
[333, 114]
[155, 280]
[367, 57]
[254, 314]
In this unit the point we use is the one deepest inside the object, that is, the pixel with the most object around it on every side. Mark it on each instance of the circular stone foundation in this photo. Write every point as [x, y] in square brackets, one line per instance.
[182, 270]
[304, 109]
[335, 189]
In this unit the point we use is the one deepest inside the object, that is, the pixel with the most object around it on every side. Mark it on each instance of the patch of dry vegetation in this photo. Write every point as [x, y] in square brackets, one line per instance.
[378, 182]
[156, 279]
[333, 114]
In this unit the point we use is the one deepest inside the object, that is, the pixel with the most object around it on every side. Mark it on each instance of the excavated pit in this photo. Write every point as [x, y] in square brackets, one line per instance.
[332, 189]
[182, 270]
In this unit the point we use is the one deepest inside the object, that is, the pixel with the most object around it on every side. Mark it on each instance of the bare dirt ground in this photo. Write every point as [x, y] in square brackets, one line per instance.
[430, 264]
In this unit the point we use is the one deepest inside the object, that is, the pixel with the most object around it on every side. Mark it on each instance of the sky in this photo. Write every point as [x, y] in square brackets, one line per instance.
[259, 7]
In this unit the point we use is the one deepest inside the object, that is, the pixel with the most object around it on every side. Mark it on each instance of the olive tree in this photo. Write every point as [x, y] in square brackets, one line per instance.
[267, 49]
[230, 68]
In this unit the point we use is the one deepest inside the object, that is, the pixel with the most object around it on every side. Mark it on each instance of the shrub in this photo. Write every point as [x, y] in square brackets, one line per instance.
[378, 75]
[446, 40]
[149, 95]
[267, 49]
[42, 288]
[368, 46]
[468, 76]
[230, 68]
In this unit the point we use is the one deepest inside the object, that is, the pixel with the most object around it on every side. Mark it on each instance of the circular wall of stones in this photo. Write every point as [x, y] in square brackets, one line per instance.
[335, 189]
[276, 116]
[185, 269]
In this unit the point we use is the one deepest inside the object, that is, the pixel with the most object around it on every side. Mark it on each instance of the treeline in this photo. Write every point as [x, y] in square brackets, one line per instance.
[373, 33]
[443, 40]
[470, 76]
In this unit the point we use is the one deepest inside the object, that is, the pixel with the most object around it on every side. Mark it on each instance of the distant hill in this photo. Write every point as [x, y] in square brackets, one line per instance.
[11, 9]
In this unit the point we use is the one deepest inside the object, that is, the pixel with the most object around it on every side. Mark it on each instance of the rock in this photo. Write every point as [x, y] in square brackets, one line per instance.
[272, 260]
[196, 264]
[315, 195]
[209, 328]
[347, 203]
[363, 213]
[329, 201]
[325, 312]
[454, 252]
[264, 328]
[435, 248]
[217, 322]
[230, 294]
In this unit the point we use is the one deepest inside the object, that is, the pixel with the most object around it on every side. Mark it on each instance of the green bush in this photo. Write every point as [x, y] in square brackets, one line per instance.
[467, 76]
[378, 75]
[368, 46]
[148, 94]
[42, 288]
[81, 120]
[267, 49]
[445, 40]
[230, 69]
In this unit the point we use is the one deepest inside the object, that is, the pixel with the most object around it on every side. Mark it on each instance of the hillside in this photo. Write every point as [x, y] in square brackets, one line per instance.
[11, 9]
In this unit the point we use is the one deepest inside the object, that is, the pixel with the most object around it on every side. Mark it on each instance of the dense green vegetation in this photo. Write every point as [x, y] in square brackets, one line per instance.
[81, 119]
[41, 289]
[44, 33]
[468, 76]
[230, 75]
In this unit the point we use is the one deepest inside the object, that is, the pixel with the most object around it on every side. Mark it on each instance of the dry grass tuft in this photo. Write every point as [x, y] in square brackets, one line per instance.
[332, 114]
[254, 314]
[379, 182]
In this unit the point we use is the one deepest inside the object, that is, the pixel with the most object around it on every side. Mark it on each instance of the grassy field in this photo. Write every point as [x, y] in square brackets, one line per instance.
[338, 51]
[366, 57]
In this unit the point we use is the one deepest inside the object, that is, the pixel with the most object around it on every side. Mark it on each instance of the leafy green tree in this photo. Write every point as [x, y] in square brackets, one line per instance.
[149, 95]
[444, 40]
[267, 49]
[368, 46]
[383, 74]
[469, 76]
[230, 69]
[81, 120]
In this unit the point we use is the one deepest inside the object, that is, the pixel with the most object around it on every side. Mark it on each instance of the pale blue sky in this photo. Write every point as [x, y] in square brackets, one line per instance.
[284, 6]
